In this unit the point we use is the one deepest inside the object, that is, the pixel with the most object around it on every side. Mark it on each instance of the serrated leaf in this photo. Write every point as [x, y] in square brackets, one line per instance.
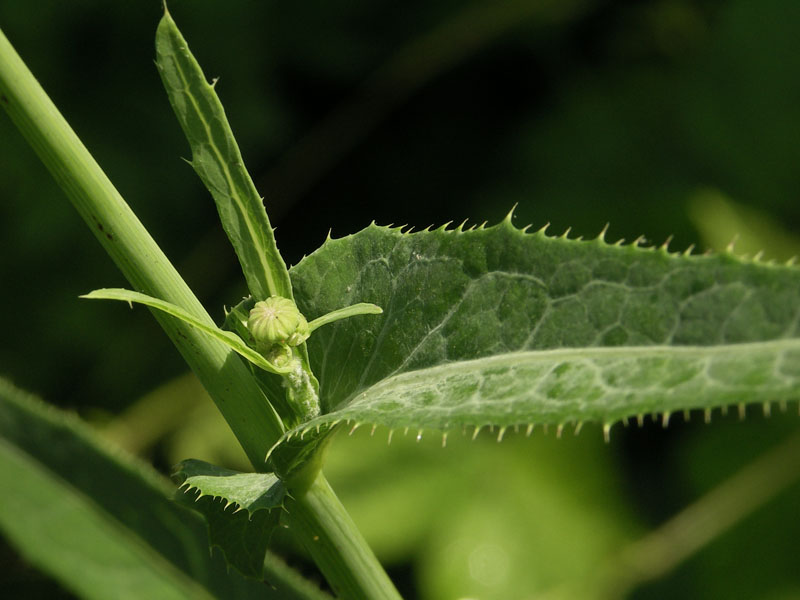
[242, 509]
[102, 523]
[217, 160]
[248, 491]
[496, 327]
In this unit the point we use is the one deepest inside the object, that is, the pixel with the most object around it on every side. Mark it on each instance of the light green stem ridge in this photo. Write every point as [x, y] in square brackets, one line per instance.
[337, 546]
[233, 341]
[122, 235]
[218, 162]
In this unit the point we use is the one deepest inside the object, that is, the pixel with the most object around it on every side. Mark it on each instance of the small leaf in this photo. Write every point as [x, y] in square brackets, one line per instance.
[233, 341]
[217, 160]
[248, 491]
[496, 327]
[242, 510]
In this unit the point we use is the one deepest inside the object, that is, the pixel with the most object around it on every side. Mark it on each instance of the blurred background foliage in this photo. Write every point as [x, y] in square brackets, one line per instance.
[664, 118]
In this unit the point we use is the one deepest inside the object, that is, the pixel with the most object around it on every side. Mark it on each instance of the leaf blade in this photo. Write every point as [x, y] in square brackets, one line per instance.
[497, 294]
[244, 532]
[217, 160]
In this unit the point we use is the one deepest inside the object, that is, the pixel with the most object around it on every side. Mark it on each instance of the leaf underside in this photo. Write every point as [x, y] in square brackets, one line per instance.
[499, 327]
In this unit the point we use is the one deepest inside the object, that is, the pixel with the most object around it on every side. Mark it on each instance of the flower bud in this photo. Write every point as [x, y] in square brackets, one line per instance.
[276, 320]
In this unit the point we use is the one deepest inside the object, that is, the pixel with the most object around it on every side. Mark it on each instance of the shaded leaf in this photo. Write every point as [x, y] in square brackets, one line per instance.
[102, 523]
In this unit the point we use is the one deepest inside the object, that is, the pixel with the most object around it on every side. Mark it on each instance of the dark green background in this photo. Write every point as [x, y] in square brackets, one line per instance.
[580, 112]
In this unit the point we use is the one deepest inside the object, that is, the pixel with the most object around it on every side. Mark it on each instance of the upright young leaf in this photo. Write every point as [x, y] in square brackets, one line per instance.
[218, 162]
[496, 327]
[102, 523]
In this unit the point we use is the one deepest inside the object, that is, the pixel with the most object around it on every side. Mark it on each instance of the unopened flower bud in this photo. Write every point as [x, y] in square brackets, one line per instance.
[276, 320]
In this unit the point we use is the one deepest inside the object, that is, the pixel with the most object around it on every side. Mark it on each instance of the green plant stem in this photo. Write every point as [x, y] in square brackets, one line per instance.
[318, 518]
[336, 544]
[123, 236]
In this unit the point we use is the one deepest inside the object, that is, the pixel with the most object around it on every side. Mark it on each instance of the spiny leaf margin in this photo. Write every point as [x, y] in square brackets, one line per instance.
[339, 272]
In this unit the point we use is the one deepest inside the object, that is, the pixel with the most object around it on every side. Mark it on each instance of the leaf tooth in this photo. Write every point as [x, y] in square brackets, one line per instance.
[619, 242]
[389, 439]
[782, 405]
[689, 250]
[624, 421]
[791, 261]
[742, 411]
[665, 418]
[444, 227]
[707, 415]
[542, 231]
[607, 432]
[353, 429]
[372, 431]
[525, 229]
[565, 235]
[639, 241]
[767, 408]
[758, 256]
[500, 434]
[559, 430]
[510, 214]
[419, 435]
[444, 439]
[476, 432]
[405, 431]
[640, 420]
[729, 249]
[601, 237]
[687, 415]
[529, 430]
[460, 228]
[724, 410]
[578, 427]
[665, 246]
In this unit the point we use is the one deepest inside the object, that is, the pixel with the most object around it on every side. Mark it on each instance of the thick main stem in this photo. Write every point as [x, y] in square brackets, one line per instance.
[137, 255]
[337, 546]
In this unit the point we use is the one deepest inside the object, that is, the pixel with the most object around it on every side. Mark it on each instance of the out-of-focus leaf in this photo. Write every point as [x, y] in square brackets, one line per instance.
[102, 523]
